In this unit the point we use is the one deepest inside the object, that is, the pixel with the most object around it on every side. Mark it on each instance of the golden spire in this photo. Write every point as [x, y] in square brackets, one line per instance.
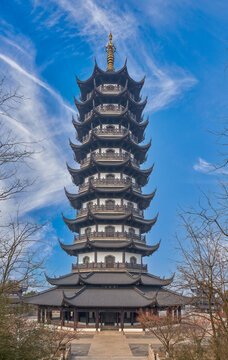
[110, 50]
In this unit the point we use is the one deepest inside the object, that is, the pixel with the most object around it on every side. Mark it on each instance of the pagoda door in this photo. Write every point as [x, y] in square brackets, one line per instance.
[110, 231]
[109, 261]
[110, 204]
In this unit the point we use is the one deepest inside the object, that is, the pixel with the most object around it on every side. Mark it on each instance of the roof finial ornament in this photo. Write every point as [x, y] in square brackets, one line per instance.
[110, 49]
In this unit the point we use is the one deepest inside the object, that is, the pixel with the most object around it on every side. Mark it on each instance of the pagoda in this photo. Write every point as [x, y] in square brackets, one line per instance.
[109, 282]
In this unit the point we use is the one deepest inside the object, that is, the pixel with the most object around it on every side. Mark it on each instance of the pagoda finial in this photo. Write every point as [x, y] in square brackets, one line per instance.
[110, 49]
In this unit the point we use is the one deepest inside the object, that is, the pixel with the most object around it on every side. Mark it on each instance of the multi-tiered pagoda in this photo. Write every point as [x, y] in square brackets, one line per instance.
[109, 282]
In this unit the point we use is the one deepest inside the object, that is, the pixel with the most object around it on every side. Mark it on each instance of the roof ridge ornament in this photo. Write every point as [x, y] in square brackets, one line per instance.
[110, 49]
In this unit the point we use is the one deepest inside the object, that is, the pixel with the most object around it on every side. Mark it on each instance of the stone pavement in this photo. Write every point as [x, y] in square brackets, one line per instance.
[112, 345]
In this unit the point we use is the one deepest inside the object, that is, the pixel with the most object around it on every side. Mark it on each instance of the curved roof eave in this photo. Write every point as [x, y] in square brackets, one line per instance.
[96, 69]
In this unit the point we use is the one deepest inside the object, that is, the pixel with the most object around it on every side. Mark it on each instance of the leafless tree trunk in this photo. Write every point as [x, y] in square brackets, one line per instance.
[19, 257]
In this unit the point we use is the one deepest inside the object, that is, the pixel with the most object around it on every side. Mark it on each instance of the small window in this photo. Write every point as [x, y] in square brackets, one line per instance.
[110, 128]
[88, 231]
[110, 176]
[130, 205]
[109, 231]
[131, 231]
[109, 261]
[109, 204]
[110, 151]
[133, 260]
[86, 260]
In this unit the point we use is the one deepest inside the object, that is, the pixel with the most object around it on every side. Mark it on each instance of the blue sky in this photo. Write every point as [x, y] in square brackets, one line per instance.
[181, 46]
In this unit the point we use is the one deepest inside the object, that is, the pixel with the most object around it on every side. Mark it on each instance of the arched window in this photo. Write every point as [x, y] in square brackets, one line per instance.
[128, 179]
[133, 260]
[86, 260]
[131, 231]
[130, 205]
[109, 231]
[109, 204]
[110, 177]
[88, 231]
[110, 128]
[89, 204]
[109, 261]
[110, 151]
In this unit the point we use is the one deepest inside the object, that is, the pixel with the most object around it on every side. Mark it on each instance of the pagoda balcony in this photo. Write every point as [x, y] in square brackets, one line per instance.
[109, 132]
[109, 210]
[109, 109]
[103, 265]
[110, 88]
[109, 183]
[108, 157]
[107, 236]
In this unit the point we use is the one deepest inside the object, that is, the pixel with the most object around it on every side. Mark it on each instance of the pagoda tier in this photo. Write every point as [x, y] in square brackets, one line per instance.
[105, 188]
[124, 245]
[112, 278]
[100, 77]
[123, 119]
[99, 138]
[103, 217]
[93, 166]
[122, 98]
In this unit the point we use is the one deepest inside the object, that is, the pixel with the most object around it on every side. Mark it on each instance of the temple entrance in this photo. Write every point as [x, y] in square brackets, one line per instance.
[109, 318]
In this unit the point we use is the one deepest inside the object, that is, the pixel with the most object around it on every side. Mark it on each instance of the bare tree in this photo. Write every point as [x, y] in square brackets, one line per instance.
[204, 266]
[24, 339]
[165, 329]
[19, 261]
[13, 151]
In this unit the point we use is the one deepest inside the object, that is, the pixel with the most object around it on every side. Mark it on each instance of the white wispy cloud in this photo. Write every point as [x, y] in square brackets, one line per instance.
[208, 168]
[36, 80]
[44, 120]
[92, 21]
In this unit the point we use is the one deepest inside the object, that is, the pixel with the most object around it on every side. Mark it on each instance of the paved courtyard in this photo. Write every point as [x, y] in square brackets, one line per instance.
[112, 345]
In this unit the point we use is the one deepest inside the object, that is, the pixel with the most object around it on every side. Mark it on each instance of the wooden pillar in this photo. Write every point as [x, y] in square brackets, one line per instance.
[117, 318]
[75, 319]
[95, 257]
[169, 313]
[62, 317]
[124, 257]
[155, 311]
[175, 314]
[132, 318]
[43, 315]
[179, 313]
[97, 320]
[122, 320]
[87, 318]
[39, 314]
[48, 316]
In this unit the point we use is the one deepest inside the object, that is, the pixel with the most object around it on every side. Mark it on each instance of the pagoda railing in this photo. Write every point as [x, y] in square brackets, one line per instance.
[109, 109]
[103, 265]
[110, 236]
[111, 132]
[109, 209]
[109, 182]
[110, 88]
[109, 156]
